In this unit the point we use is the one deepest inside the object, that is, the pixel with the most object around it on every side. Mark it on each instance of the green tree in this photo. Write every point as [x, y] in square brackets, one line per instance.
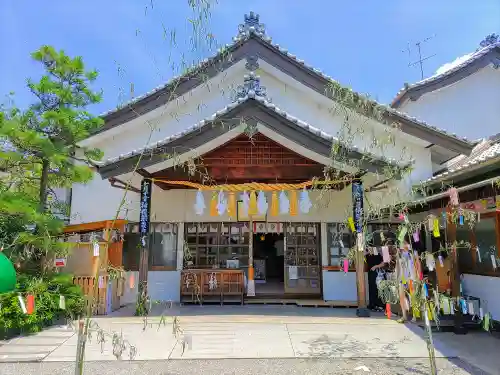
[40, 152]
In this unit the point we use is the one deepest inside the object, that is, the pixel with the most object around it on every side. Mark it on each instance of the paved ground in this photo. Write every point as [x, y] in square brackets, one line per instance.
[249, 367]
[296, 336]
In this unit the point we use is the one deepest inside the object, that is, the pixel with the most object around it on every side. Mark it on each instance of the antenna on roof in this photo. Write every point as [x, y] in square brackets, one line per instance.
[420, 61]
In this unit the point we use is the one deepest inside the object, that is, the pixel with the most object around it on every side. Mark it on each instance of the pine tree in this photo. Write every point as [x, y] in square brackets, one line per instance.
[40, 152]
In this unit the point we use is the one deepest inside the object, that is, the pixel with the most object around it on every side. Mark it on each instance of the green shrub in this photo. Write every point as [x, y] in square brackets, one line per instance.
[46, 291]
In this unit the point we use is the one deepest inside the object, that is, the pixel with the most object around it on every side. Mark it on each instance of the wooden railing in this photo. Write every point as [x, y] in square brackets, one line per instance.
[103, 300]
[212, 285]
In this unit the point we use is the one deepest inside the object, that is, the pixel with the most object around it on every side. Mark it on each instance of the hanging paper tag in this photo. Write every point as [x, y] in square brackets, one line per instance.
[493, 261]
[346, 265]
[388, 310]
[375, 251]
[436, 228]
[350, 221]
[22, 304]
[426, 291]
[426, 315]
[461, 220]
[430, 222]
[464, 306]
[471, 307]
[441, 263]
[416, 236]
[478, 254]
[131, 281]
[446, 306]
[96, 249]
[430, 262]
[30, 302]
[453, 196]
[486, 322]
[62, 302]
[101, 282]
[385, 254]
[481, 313]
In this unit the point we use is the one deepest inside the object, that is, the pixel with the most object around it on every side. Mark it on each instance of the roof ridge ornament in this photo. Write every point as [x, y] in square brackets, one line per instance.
[251, 25]
[490, 40]
[251, 87]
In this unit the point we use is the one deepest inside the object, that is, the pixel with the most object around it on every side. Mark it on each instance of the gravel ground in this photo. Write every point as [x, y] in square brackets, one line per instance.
[396, 366]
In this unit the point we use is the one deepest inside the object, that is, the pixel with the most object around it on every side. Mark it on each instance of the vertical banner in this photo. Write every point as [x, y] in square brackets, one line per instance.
[357, 205]
[144, 218]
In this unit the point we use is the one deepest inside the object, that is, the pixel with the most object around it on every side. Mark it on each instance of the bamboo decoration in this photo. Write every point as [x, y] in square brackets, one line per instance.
[231, 205]
[293, 203]
[274, 204]
[252, 208]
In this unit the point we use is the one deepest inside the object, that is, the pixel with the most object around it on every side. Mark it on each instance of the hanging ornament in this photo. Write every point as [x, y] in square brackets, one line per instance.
[231, 205]
[441, 263]
[221, 203]
[22, 304]
[274, 204]
[436, 228]
[388, 311]
[30, 304]
[262, 205]
[199, 206]
[293, 203]
[305, 203]
[431, 262]
[416, 236]
[453, 196]
[252, 207]
[386, 256]
[96, 249]
[284, 205]
[213, 205]
[346, 265]
[245, 203]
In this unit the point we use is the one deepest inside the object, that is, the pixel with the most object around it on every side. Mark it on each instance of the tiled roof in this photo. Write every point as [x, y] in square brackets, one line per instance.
[228, 108]
[442, 76]
[487, 150]
[256, 29]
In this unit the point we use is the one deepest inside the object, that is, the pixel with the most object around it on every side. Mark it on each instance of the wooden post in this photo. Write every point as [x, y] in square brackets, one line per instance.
[144, 221]
[357, 208]
[250, 281]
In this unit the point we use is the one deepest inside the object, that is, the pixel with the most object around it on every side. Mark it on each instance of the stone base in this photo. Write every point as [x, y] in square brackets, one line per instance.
[362, 312]
[251, 288]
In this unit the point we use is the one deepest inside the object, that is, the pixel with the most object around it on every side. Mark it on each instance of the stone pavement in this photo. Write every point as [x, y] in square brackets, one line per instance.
[214, 332]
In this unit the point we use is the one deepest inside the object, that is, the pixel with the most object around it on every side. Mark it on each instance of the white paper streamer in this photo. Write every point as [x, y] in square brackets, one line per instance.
[22, 304]
[262, 205]
[221, 203]
[305, 203]
[341, 244]
[245, 197]
[478, 254]
[199, 206]
[96, 249]
[493, 261]
[284, 203]
[481, 313]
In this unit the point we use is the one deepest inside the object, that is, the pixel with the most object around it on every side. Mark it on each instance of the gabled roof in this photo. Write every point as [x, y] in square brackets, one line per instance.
[252, 42]
[486, 154]
[255, 110]
[488, 54]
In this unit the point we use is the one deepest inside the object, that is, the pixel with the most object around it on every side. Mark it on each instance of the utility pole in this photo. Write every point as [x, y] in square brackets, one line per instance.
[420, 61]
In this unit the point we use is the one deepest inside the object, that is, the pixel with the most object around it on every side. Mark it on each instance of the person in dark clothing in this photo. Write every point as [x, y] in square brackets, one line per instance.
[375, 264]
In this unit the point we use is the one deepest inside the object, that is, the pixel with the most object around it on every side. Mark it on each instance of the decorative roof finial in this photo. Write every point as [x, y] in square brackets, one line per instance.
[251, 85]
[490, 40]
[251, 25]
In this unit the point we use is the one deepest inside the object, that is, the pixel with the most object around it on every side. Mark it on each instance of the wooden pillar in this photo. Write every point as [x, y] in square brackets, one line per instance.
[250, 281]
[144, 221]
[357, 208]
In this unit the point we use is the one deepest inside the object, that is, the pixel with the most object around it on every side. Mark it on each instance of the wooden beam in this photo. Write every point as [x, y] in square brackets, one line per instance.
[97, 225]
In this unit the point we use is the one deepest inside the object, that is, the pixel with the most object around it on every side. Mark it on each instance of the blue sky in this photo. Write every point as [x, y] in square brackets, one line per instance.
[362, 44]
